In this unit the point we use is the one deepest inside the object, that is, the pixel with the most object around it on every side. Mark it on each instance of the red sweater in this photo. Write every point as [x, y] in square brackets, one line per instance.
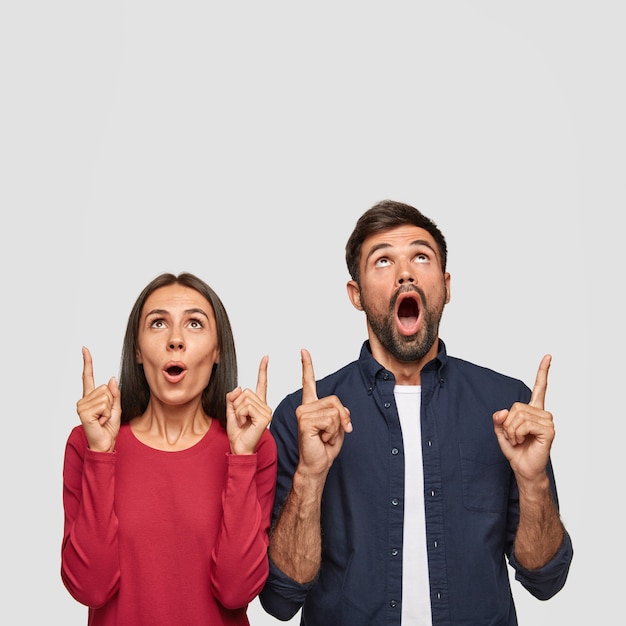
[162, 538]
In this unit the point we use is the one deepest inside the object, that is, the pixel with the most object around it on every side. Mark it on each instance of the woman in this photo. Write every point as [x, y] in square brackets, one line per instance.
[169, 481]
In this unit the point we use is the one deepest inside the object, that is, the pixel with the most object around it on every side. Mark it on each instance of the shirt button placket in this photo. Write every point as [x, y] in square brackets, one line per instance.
[394, 552]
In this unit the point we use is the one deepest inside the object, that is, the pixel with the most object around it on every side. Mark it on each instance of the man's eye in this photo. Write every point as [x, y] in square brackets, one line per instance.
[422, 258]
[382, 262]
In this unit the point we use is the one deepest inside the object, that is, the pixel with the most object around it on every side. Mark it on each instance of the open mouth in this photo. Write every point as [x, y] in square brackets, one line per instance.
[408, 312]
[174, 372]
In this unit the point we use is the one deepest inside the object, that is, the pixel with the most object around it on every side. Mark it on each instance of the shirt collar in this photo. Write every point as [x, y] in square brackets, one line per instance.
[371, 368]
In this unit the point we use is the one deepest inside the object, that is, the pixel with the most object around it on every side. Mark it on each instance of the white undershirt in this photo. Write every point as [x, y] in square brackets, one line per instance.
[415, 586]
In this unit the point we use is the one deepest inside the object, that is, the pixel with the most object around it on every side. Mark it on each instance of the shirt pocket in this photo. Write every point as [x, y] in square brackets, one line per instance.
[486, 476]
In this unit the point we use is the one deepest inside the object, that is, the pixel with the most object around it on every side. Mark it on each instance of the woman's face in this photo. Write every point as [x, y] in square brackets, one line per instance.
[177, 343]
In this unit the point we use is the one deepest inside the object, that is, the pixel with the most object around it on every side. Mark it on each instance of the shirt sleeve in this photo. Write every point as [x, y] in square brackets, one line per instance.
[240, 552]
[89, 553]
[545, 582]
[282, 597]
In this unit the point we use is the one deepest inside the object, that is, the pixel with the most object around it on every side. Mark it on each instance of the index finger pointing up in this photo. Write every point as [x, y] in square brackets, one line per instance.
[88, 382]
[309, 390]
[261, 382]
[538, 396]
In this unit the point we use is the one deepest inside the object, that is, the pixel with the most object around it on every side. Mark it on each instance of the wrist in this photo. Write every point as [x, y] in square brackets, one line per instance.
[535, 488]
[307, 482]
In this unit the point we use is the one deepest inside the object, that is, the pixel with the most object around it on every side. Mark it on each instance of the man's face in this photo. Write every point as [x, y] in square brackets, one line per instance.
[402, 291]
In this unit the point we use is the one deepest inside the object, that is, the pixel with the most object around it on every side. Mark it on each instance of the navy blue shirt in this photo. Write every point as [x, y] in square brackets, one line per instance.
[470, 494]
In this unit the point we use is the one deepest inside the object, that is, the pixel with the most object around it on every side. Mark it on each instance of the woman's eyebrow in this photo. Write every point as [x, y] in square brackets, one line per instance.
[196, 310]
[166, 312]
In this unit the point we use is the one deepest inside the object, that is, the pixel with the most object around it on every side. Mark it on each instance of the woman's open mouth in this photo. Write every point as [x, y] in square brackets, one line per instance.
[174, 372]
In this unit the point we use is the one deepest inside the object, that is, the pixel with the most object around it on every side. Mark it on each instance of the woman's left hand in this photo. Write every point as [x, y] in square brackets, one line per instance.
[247, 414]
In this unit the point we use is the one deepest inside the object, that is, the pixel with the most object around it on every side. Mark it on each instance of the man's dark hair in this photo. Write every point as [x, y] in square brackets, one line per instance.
[385, 215]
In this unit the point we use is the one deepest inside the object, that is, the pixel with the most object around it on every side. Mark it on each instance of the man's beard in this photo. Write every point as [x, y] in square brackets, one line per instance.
[405, 347]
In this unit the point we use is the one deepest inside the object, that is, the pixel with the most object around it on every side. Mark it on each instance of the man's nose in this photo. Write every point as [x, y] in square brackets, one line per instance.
[406, 274]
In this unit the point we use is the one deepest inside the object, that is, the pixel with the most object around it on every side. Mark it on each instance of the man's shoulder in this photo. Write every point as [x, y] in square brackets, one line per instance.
[475, 373]
[343, 375]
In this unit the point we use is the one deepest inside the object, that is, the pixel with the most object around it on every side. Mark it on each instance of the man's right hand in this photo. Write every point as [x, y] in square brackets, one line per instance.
[296, 542]
[322, 424]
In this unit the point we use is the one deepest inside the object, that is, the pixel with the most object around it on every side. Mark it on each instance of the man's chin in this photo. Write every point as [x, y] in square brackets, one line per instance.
[408, 348]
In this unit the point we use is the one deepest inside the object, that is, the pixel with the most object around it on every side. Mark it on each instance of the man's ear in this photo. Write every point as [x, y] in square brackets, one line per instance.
[354, 293]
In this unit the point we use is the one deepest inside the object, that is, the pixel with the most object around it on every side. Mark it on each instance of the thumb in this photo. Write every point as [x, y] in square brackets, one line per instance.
[231, 396]
[116, 409]
[499, 417]
[498, 420]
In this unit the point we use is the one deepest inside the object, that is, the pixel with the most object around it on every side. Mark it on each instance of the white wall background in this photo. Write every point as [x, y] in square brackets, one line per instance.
[241, 141]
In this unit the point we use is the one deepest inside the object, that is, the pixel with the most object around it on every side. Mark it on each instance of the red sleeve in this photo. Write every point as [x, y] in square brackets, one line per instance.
[240, 561]
[89, 553]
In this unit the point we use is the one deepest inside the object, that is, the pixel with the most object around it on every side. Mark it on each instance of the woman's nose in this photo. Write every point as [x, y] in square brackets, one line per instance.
[176, 341]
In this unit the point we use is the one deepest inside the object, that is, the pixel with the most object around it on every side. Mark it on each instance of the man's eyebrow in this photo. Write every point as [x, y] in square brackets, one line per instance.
[382, 246]
[376, 248]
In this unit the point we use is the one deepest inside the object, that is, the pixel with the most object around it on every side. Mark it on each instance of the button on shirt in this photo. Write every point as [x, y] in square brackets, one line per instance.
[470, 499]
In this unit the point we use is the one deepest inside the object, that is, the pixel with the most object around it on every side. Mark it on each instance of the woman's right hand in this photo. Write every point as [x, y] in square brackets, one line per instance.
[100, 409]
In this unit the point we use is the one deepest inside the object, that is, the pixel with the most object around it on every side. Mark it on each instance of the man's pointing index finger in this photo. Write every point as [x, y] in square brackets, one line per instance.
[309, 389]
[538, 396]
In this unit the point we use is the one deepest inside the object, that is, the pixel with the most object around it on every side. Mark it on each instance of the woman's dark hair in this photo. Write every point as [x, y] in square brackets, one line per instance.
[383, 216]
[133, 384]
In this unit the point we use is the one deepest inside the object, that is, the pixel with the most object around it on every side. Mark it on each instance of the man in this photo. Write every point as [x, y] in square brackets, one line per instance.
[408, 479]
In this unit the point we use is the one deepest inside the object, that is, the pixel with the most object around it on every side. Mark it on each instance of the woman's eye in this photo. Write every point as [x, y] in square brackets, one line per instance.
[157, 323]
[196, 324]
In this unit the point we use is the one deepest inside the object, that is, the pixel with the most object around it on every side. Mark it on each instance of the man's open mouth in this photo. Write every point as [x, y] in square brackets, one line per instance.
[408, 312]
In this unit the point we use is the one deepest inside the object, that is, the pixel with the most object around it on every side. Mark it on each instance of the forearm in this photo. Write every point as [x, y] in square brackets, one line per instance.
[296, 540]
[90, 553]
[540, 531]
[240, 550]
